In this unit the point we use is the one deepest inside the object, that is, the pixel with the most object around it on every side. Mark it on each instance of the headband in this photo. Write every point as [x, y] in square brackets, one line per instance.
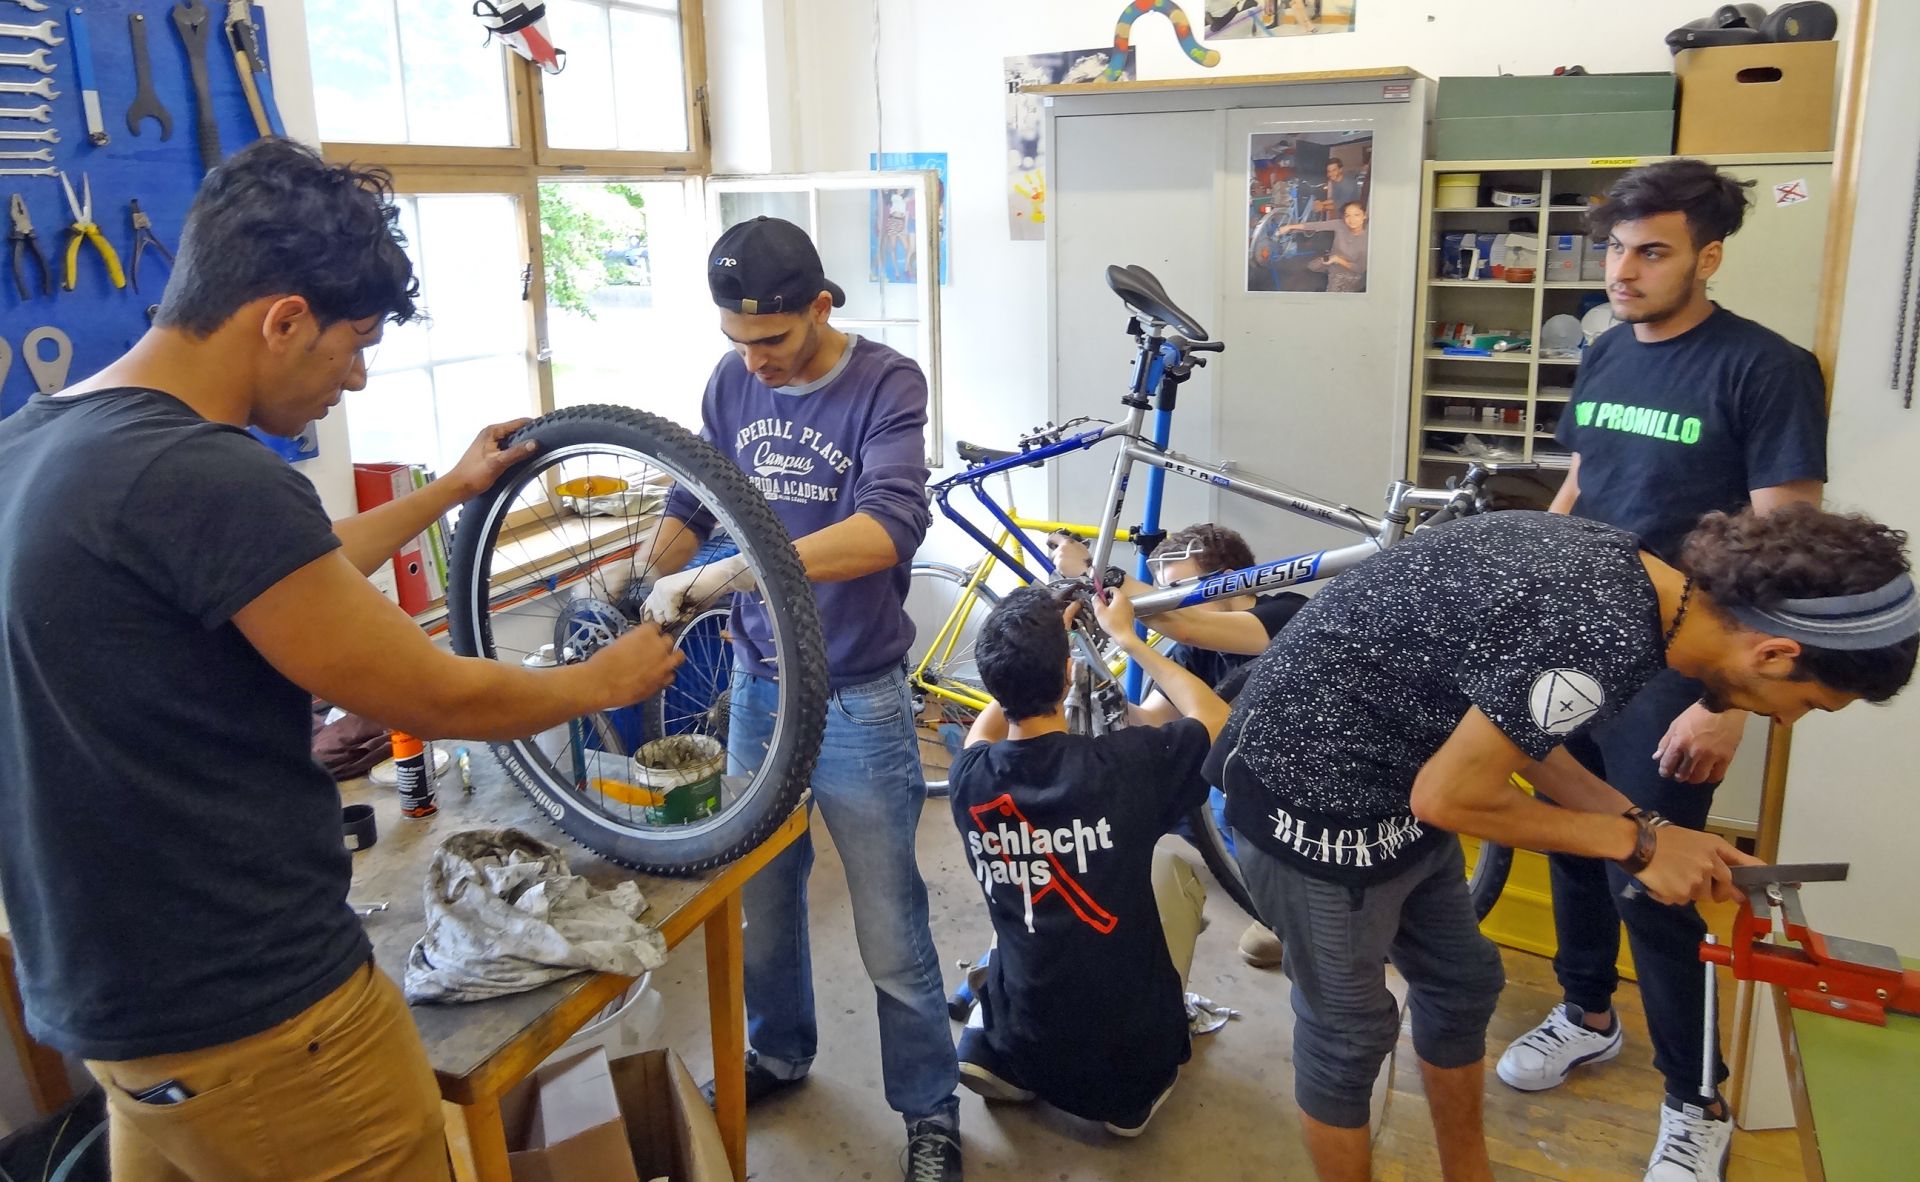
[1846, 623]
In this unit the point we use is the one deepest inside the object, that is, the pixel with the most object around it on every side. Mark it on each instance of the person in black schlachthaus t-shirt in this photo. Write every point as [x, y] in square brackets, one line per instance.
[1393, 712]
[1683, 410]
[1082, 1004]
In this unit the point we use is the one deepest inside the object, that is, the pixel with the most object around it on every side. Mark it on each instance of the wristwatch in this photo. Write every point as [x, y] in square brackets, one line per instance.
[1646, 821]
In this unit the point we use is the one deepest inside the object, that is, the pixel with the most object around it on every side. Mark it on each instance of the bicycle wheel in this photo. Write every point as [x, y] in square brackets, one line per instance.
[545, 569]
[947, 621]
[1205, 831]
[1487, 877]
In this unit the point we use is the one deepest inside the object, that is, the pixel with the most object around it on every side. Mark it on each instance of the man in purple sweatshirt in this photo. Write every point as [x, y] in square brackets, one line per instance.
[832, 429]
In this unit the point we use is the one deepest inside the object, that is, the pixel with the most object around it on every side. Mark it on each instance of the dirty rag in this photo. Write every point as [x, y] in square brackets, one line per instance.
[505, 914]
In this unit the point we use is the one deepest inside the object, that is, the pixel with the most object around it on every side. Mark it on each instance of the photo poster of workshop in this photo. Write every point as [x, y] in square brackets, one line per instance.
[145, 148]
[1307, 221]
[1232, 19]
[890, 252]
[1027, 122]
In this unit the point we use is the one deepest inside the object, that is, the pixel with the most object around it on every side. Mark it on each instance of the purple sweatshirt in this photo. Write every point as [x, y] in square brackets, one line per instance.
[852, 442]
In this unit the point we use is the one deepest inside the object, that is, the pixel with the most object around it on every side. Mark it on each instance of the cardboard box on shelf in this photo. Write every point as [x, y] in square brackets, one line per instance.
[1565, 254]
[582, 1118]
[1593, 264]
[1756, 98]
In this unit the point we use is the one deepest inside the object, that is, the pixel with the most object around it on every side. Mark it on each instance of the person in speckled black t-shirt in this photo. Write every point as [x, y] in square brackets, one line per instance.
[1395, 708]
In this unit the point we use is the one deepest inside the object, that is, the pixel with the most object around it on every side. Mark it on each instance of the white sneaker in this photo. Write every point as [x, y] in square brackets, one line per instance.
[1543, 1057]
[1692, 1147]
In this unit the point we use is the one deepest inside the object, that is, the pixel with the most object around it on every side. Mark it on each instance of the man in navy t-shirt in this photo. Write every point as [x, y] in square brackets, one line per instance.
[1687, 410]
[831, 428]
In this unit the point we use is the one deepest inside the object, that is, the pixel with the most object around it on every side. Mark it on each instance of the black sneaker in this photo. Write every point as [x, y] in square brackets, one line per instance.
[933, 1153]
[985, 1074]
[761, 1082]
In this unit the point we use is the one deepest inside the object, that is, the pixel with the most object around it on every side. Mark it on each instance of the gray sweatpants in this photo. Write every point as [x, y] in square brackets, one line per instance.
[1338, 940]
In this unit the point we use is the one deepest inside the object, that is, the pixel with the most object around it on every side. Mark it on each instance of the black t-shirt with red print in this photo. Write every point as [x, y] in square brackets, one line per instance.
[1081, 993]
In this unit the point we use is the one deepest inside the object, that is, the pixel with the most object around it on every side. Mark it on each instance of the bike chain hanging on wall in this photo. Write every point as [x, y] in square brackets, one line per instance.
[1906, 324]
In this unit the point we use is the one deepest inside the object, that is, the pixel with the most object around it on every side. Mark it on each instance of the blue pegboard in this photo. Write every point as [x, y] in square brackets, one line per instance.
[101, 320]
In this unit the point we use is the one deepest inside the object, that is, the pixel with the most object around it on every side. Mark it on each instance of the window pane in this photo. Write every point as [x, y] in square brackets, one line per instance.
[434, 383]
[471, 264]
[471, 394]
[624, 85]
[738, 207]
[356, 71]
[627, 281]
[391, 421]
[418, 77]
[650, 87]
[456, 88]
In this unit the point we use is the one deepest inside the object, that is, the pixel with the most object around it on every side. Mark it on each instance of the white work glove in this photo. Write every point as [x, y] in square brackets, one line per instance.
[677, 597]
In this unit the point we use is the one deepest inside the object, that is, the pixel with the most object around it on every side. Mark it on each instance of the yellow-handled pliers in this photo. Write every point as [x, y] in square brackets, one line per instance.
[83, 228]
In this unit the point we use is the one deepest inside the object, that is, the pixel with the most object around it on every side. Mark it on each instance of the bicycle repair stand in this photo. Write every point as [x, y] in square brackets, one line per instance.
[1825, 974]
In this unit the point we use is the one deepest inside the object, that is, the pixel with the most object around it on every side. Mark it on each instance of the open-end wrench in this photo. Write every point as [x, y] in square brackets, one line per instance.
[146, 104]
[31, 5]
[43, 88]
[49, 170]
[37, 60]
[49, 134]
[40, 114]
[46, 32]
[43, 154]
[190, 17]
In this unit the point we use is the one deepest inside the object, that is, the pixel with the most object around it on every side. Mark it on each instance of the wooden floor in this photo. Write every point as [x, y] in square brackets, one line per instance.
[1231, 1119]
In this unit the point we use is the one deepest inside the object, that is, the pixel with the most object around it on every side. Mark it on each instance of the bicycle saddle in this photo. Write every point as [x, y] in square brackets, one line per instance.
[1136, 286]
[973, 454]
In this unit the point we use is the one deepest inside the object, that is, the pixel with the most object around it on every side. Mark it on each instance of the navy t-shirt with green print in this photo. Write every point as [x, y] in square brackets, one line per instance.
[1669, 431]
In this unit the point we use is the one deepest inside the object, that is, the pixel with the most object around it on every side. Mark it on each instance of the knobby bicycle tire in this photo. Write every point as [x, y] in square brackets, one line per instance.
[1489, 876]
[784, 775]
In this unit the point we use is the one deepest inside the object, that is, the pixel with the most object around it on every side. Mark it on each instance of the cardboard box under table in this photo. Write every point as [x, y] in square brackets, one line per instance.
[1543, 117]
[583, 1118]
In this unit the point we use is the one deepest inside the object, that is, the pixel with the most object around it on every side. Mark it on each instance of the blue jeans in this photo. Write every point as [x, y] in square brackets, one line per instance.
[869, 790]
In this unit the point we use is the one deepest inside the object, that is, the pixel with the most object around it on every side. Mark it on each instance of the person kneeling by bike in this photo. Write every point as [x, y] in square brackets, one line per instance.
[1397, 706]
[1213, 640]
[1083, 1001]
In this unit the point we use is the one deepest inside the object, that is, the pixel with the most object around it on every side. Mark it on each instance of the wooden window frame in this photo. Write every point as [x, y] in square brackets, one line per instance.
[518, 169]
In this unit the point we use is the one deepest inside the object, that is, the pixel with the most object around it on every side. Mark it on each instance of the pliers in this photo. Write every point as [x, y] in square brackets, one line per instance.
[24, 241]
[143, 237]
[83, 228]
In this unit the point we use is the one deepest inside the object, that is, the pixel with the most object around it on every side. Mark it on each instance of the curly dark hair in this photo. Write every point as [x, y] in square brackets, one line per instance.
[1715, 203]
[1215, 547]
[1022, 653]
[1799, 551]
[276, 219]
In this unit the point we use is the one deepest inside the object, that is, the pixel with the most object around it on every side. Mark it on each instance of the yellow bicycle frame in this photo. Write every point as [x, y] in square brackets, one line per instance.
[941, 650]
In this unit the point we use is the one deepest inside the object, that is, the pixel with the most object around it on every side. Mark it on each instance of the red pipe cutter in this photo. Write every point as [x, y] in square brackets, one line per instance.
[1824, 974]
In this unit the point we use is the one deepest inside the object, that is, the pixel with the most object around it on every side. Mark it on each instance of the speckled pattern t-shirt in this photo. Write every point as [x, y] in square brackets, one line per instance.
[1547, 623]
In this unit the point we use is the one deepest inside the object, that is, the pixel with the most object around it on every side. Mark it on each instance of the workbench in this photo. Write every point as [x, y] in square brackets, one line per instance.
[481, 1050]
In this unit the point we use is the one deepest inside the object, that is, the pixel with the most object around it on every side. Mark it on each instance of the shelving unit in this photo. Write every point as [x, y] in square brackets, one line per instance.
[1525, 386]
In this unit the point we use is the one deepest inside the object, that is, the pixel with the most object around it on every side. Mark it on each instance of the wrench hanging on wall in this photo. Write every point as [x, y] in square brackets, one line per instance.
[146, 104]
[83, 70]
[190, 18]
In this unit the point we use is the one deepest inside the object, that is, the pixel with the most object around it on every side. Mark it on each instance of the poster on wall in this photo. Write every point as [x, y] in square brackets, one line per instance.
[893, 219]
[1228, 19]
[1307, 198]
[1026, 124]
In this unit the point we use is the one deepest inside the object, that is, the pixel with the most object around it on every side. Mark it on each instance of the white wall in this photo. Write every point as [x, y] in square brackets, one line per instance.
[940, 81]
[1853, 790]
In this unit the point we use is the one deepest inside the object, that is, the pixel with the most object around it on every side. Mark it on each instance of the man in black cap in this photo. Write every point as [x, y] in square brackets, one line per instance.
[832, 429]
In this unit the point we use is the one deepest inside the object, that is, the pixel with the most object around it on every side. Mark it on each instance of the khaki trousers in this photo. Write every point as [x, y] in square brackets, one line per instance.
[342, 1090]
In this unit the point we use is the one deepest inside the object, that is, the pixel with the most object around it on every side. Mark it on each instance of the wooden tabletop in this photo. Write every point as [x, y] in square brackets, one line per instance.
[462, 1038]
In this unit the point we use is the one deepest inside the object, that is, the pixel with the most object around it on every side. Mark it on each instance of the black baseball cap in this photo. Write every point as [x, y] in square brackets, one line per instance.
[767, 265]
